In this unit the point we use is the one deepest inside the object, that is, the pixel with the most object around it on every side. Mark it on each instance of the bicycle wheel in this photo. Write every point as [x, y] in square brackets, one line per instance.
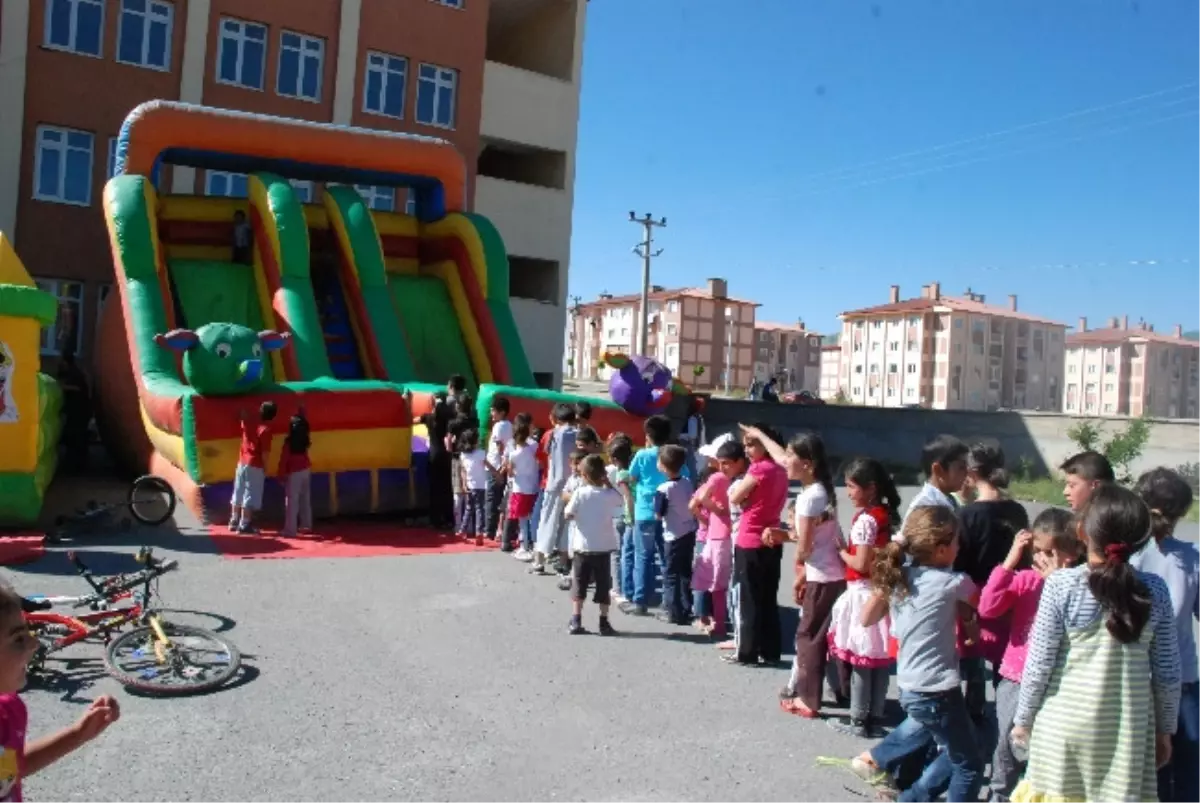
[151, 500]
[197, 660]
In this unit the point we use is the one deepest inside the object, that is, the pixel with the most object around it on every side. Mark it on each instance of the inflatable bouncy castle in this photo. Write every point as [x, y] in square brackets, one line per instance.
[357, 314]
[30, 401]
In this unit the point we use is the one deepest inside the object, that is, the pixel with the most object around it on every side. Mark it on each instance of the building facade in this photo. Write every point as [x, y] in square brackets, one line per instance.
[831, 388]
[788, 352]
[696, 332]
[951, 353]
[498, 78]
[1136, 371]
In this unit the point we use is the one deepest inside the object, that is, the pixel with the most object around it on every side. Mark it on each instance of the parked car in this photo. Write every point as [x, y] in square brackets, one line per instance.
[802, 397]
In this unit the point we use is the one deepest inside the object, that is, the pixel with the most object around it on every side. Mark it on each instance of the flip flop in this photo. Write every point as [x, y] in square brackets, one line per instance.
[796, 708]
[727, 645]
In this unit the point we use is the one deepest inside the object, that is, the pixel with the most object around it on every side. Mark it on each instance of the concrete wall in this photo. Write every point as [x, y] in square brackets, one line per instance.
[896, 436]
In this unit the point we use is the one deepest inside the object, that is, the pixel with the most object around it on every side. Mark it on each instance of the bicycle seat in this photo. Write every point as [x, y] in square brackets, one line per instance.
[32, 605]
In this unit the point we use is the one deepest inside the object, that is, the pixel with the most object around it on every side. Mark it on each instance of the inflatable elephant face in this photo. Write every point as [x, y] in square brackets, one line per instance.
[641, 385]
[223, 359]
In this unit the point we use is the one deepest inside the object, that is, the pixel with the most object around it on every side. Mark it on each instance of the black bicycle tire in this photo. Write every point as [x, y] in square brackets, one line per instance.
[129, 681]
[158, 484]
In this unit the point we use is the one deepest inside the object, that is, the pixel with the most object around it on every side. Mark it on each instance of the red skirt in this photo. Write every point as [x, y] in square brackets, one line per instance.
[520, 506]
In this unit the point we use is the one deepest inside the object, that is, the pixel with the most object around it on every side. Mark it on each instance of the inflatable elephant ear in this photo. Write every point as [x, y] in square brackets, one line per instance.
[615, 359]
[178, 340]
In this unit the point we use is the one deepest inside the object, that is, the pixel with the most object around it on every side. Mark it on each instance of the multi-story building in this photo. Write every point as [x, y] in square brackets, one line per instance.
[1136, 371]
[788, 352]
[696, 332]
[951, 353]
[498, 78]
[831, 372]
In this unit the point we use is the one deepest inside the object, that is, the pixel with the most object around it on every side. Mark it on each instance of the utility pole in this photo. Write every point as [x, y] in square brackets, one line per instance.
[642, 249]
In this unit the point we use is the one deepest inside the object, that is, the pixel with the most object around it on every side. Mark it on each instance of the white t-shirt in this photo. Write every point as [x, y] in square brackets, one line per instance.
[474, 469]
[592, 527]
[523, 459]
[824, 564]
[498, 441]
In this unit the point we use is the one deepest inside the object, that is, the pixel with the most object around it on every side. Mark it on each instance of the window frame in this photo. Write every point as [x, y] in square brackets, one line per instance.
[73, 31]
[242, 38]
[229, 176]
[302, 52]
[53, 286]
[65, 147]
[111, 164]
[436, 81]
[147, 20]
[386, 73]
[311, 187]
[370, 197]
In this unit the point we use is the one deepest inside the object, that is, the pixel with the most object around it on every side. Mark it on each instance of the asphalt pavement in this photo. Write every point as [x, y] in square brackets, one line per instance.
[424, 677]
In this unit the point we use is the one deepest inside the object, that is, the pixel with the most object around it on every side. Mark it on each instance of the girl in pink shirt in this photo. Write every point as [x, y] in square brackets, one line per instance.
[1017, 592]
[714, 564]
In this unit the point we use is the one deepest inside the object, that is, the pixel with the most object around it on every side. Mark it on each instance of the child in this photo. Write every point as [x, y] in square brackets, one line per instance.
[647, 529]
[1085, 472]
[1014, 592]
[733, 463]
[588, 441]
[820, 574]
[944, 464]
[865, 649]
[19, 760]
[583, 414]
[295, 471]
[714, 564]
[243, 239]
[591, 512]
[250, 474]
[520, 464]
[501, 435]
[1169, 498]
[914, 581]
[701, 598]
[1100, 688]
[453, 433]
[475, 469]
[671, 507]
[574, 482]
[560, 442]
[620, 453]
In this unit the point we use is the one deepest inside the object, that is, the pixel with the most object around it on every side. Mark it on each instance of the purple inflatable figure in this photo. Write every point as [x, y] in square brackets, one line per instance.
[641, 386]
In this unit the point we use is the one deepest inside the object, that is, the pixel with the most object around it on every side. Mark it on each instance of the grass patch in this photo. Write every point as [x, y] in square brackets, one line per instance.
[1049, 491]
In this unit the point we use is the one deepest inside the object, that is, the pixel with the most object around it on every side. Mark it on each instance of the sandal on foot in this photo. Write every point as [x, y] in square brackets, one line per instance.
[797, 708]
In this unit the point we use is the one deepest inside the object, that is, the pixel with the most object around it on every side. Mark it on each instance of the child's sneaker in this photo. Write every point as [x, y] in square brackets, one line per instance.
[606, 629]
[479, 540]
[233, 525]
[564, 583]
[537, 568]
[247, 529]
[576, 627]
[632, 609]
[523, 554]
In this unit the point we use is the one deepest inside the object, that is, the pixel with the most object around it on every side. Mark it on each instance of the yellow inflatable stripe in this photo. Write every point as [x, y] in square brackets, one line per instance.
[395, 225]
[403, 265]
[460, 228]
[203, 209]
[21, 413]
[448, 273]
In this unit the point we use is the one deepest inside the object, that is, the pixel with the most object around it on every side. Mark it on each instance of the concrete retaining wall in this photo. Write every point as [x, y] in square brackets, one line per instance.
[895, 436]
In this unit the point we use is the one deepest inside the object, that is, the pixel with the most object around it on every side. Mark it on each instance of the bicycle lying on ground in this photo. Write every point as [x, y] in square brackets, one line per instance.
[156, 656]
[150, 500]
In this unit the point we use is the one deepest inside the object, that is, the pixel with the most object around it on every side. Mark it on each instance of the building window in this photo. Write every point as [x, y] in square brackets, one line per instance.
[383, 87]
[380, 198]
[64, 166]
[436, 90]
[304, 190]
[1091, 369]
[226, 185]
[76, 26]
[145, 37]
[672, 306]
[301, 59]
[672, 351]
[450, 3]
[876, 324]
[67, 329]
[911, 368]
[410, 206]
[242, 55]
[672, 329]
[112, 156]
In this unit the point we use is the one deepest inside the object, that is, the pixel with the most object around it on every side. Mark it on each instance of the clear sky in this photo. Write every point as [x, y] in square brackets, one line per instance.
[805, 150]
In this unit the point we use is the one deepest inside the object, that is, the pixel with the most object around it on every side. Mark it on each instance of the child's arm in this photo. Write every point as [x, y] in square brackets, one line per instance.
[743, 490]
[860, 561]
[1045, 641]
[43, 752]
[660, 505]
[874, 609]
[1165, 675]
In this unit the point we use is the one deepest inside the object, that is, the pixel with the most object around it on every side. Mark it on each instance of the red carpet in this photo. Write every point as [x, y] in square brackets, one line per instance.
[343, 539]
[21, 547]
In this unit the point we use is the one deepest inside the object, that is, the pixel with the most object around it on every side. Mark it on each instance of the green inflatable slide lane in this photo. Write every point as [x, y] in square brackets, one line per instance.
[431, 327]
[496, 258]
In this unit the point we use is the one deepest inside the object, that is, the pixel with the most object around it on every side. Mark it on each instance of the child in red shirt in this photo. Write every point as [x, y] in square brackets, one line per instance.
[295, 472]
[18, 760]
[251, 469]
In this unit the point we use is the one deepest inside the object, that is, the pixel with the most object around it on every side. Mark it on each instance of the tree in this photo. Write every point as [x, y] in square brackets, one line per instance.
[1120, 450]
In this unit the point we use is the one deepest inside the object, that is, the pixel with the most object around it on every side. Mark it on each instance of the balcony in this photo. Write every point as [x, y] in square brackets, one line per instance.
[533, 221]
[529, 108]
[541, 326]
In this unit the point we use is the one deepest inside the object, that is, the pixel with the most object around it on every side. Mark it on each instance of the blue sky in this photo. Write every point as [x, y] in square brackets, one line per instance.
[773, 135]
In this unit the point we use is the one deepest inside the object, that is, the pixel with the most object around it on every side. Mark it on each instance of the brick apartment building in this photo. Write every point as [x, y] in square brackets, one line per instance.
[689, 327]
[1135, 371]
[498, 78]
[788, 352]
[951, 353]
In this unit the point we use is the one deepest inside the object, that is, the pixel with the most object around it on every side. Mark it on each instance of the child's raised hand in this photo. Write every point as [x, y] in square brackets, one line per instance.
[1020, 544]
[103, 711]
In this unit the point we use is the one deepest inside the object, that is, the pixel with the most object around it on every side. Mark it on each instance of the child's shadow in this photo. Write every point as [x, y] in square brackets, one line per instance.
[681, 636]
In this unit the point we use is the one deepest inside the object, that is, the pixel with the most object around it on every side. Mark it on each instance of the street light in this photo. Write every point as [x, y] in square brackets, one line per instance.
[728, 346]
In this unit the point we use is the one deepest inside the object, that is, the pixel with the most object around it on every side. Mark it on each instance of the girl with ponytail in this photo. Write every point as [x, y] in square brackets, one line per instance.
[1100, 688]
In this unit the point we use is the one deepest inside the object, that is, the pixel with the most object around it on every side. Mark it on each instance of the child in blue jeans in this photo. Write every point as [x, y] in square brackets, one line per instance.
[620, 453]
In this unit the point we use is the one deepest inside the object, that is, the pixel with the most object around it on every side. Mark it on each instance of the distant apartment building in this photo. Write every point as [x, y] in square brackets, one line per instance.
[831, 372]
[1136, 371]
[951, 353]
[788, 352]
[690, 328]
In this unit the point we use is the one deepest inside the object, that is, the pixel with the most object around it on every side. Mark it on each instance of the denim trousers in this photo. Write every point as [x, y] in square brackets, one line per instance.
[677, 577]
[624, 579]
[942, 717]
[1178, 780]
[647, 547]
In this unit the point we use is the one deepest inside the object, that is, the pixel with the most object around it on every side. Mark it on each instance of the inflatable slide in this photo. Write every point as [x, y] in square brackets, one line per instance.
[30, 401]
[358, 315]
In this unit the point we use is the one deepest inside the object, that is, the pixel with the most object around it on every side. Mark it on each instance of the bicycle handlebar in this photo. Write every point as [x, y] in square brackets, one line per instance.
[154, 568]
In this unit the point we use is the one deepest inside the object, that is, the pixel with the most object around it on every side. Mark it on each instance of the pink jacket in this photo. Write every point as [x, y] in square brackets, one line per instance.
[1018, 592]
